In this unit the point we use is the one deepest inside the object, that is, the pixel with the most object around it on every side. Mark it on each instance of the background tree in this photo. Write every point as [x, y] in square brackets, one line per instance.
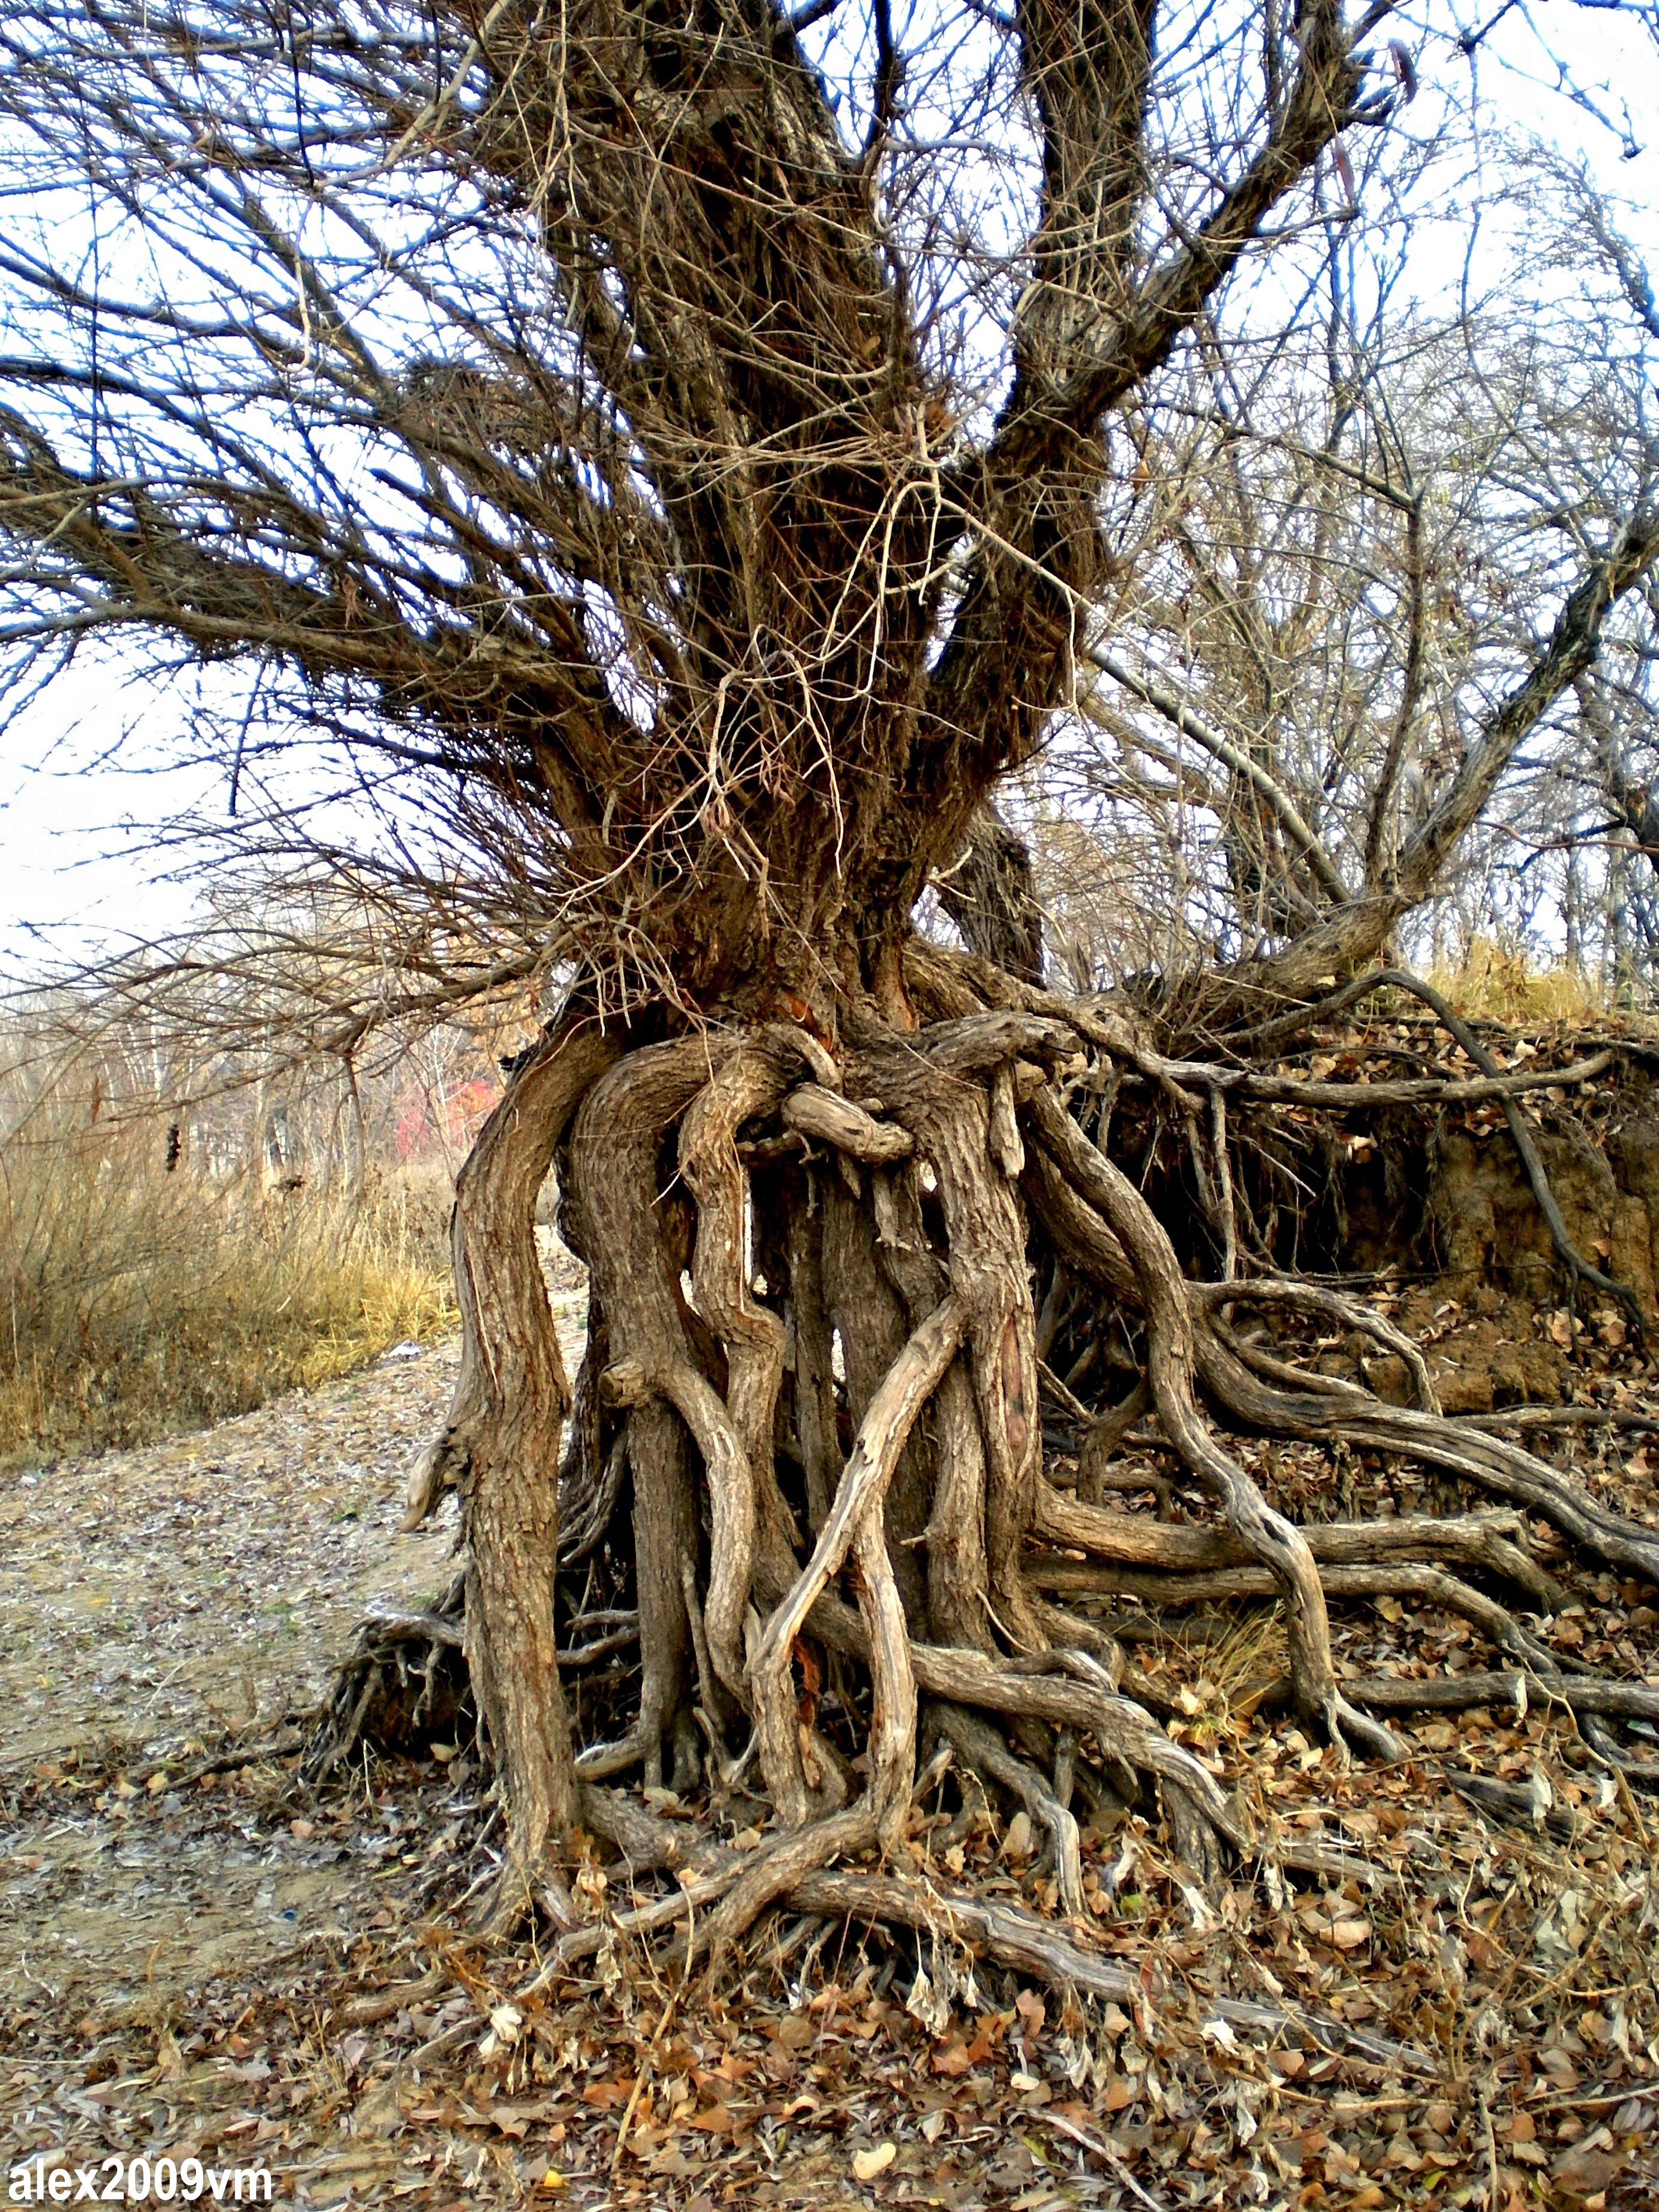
[662, 467]
[1347, 546]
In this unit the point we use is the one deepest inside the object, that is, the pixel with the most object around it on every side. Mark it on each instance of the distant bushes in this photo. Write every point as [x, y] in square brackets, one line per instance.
[1499, 982]
[146, 1285]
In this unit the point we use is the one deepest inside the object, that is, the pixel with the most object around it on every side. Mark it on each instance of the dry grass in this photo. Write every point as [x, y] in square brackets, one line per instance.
[137, 1300]
[1499, 982]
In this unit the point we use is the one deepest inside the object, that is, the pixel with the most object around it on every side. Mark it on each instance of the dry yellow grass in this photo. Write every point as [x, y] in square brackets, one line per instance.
[1497, 982]
[137, 1300]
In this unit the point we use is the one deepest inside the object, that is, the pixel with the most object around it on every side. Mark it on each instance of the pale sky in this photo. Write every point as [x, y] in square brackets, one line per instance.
[73, 861]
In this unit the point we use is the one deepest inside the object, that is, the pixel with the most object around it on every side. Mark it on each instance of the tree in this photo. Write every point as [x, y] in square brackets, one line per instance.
[627, 443]
[1337, 656]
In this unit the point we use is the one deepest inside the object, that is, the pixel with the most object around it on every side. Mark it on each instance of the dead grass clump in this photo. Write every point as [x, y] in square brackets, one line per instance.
[1498, 982]
[138, 1299]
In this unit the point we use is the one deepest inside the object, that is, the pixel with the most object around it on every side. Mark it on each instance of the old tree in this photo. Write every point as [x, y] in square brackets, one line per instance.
[660, 448]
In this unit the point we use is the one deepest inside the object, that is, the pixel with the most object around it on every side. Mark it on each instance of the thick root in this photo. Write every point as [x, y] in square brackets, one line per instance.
[814, 1353]
[1265, 1532]
[502, 1438]
[614, 1178]
[1477, 1540]
[855, 1521]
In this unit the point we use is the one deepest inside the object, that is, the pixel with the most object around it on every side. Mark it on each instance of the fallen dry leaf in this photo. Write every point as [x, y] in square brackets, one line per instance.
[867, 2164]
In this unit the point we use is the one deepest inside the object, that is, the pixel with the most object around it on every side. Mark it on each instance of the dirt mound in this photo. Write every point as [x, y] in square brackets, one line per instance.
[1427, 1206]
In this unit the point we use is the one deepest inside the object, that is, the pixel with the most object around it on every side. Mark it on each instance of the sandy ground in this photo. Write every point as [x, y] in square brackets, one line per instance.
[152, 1600]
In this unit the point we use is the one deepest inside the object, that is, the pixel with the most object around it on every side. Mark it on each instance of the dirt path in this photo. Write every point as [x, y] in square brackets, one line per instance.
[151, 1600]
[178, 1951]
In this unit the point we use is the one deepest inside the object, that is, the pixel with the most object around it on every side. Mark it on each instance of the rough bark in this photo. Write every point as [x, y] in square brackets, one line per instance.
[615, 1178]
[755, 1198]
[500, 1446]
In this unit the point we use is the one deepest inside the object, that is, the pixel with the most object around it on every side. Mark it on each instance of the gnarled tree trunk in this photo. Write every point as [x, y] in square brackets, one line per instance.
[500, 1447]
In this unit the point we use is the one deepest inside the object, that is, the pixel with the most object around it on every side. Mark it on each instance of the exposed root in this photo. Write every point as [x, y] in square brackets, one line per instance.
[1489, 1462]
[814, 1378]
[751, 1081]
[586, 1530]
[983, 1749]
[1266, 1533]
[1101, 1438]
[1315, 1297]
[814, 1360]
[1034, 1947]
[1485, 1539]
[1428, 1585]
[927, 1091]
[614, 1182]
[1456, 1693]
[846, 1126]
[776, 1872]
[1006, 1933]
[500, 1443]
[1081, 1694]
[405, 1681]
[854, 1525]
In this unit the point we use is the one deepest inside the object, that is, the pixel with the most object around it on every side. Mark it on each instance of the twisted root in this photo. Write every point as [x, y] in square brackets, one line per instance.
[883, 1276]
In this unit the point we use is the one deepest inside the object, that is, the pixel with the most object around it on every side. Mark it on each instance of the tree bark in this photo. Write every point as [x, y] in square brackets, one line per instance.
[500, 1447]
[738, 1219]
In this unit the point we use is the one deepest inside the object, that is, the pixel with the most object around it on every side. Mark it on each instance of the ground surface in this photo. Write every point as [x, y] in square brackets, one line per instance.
[152, 1598]
[197, 1957]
